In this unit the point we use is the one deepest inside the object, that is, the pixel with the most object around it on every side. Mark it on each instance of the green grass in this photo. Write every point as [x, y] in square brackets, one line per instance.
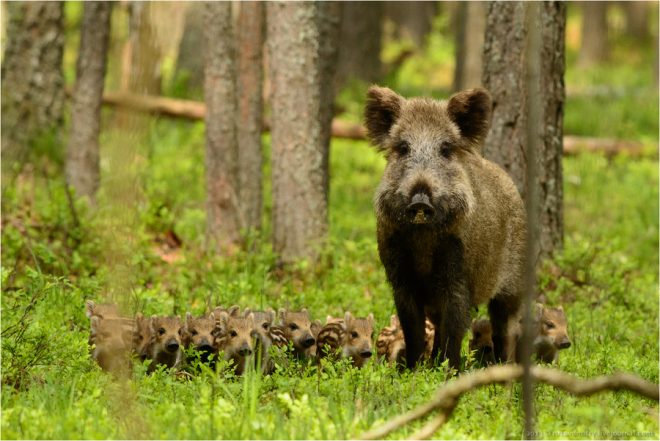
[606, 278]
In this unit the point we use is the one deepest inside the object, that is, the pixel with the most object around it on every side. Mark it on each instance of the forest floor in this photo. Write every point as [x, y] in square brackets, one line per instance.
[53, 258]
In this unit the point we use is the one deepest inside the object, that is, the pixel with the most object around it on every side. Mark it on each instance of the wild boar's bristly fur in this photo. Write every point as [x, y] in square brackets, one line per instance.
[450, 224]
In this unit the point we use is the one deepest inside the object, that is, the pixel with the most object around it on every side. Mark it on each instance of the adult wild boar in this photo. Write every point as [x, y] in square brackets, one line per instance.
[451, 224]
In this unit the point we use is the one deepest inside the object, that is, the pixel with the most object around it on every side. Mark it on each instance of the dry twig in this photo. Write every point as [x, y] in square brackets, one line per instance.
[447, 396]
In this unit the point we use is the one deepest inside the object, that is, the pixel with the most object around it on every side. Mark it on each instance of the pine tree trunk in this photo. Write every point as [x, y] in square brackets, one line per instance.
[469, 44]
[32, 79]
[82, 163]
[251, 30]
[594, 48]
[190, 60]
[299, 127]
[360, 42]
[223, 218]
[504, 49]
[413, 19]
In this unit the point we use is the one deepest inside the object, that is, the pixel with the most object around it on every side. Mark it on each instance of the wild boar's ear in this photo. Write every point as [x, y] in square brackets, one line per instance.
[212, 317]
[347, 317]
[281, 313]
[370, 319]
[471, 110]
[380, 113]
[234, 310]
[188, 317]
[94, 322]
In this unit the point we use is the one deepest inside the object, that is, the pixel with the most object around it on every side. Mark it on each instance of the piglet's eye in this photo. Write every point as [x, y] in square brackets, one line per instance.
[161, 331]
[354, 334]
[446, 149]
[402, 148]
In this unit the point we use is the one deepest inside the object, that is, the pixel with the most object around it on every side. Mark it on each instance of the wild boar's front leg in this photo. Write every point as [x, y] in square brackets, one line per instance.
[451, 324]
[411, 317]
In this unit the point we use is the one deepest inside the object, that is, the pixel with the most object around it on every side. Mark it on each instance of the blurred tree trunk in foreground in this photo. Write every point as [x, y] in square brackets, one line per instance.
[360, 35]
[505, 78]
[82, 162]
[413, 19]
[250, 34]
[223, 217]
[594, 48]
[300, 43]
[144, 72]
[32, 79]
[471, 21]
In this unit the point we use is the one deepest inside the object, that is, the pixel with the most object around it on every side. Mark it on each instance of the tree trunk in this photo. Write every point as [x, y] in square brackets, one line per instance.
[469, 44]
[32, 79]
[594, 48]
[251, 30]
[190, 61]
[223, 228]
[505, 78]
[360, 42]
[82, 163]
[299, 82]
[145, 70]
[637, 19]
[413, 19]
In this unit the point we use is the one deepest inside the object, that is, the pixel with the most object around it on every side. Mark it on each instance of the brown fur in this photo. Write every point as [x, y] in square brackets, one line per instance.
[551, 334]
[263, 321]
[141, 337]
[297, 329]
[236, 339]
[482, 341]
[201, 333]
[466, 246]
[350, 337]
[110, 344]
[166, 342]
[391, 344]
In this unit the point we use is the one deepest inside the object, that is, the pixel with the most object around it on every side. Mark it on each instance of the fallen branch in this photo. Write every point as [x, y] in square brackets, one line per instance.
[196, 110]
[448, 395]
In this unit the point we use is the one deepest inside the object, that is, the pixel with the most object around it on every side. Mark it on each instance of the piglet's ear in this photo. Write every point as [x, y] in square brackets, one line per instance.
[381, 112]
[471, 110]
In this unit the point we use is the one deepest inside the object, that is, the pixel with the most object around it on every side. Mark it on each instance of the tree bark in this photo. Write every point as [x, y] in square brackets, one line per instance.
[413, 19]
[223, 217]
[637, 19]
[594, 48]
[190, 60]
[32, 79]
[82, 164]
[251, 30]
[505, 78]
[469, 44]
[360, 42]
[299, 126]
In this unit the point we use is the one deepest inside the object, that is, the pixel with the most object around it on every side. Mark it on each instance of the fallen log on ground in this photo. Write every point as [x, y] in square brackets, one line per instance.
[196, 110]
[447, 396]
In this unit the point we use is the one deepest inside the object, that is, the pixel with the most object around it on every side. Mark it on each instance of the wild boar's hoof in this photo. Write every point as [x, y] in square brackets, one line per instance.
[420, 210]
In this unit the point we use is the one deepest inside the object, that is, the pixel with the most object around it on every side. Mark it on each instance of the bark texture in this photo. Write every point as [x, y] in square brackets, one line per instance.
[32, 79]
[223, 218]
[413, 19]
[360, 42]
[82, 162]
[300, 125]
[594, 48]
[251, 30]
[504, 76]
[469, 44]
[191, 48]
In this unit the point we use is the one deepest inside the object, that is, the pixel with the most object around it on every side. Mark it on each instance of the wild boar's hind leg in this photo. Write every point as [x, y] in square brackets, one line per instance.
[502, 308]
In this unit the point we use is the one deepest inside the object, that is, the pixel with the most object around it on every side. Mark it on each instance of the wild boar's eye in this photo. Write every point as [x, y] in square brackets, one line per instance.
[446, 149]
[233, 333]
[354, 334]
[194, 332]
[265, 326]
[402, 148]
[550, 325]
[293, 326]
[161, 331]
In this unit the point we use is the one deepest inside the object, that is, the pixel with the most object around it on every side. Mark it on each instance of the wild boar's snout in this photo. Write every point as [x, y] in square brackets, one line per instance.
[420, 210]
[172, 346]
[564, 343]
[308, 342]
[245, 350]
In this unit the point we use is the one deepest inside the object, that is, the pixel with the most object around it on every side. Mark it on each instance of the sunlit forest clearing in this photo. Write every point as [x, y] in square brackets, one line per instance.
[144, 243]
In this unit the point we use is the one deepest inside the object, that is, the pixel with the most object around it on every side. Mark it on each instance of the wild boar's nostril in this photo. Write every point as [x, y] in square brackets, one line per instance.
[420, 209]
[365, 354]
[565, 344]
[308, 342]
[172, 347]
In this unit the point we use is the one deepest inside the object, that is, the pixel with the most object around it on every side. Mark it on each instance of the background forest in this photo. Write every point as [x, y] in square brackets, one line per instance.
[116, 202]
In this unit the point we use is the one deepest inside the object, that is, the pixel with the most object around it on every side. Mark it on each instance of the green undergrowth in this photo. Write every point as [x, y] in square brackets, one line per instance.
[55, 255]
